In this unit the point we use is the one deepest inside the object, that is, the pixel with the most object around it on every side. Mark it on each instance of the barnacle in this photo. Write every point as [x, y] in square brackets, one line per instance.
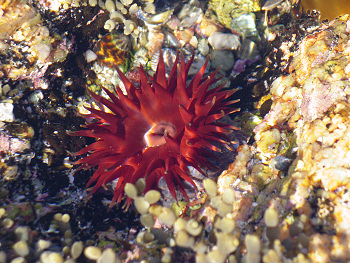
[157, 129]
[113, 49]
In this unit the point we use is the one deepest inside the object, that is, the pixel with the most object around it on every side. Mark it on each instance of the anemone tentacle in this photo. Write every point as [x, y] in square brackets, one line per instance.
[157, 130]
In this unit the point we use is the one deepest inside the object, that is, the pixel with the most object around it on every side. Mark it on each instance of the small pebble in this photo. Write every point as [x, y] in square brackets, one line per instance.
[296, 228]
[43, 51]
[224, 41]
[273, 233]
[10, 173]
[203, 46]
[167, 256]
[90, 56]
[44, 257]
[5, 89]
[304, 240]
[36, 97]
[281, 163]
[222, 58]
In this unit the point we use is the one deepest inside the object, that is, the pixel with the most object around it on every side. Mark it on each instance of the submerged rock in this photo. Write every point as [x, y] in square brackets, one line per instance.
[312, 101]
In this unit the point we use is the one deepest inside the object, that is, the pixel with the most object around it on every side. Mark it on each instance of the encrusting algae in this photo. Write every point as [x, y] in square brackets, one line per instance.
[312, 101]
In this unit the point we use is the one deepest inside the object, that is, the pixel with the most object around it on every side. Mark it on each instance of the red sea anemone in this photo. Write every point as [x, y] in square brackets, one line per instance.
[157, 130]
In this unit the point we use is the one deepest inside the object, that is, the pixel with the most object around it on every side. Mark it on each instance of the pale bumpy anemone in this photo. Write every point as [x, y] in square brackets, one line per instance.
[157, 130]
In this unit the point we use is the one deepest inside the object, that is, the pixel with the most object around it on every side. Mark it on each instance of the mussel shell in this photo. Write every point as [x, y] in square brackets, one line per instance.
[156, 19]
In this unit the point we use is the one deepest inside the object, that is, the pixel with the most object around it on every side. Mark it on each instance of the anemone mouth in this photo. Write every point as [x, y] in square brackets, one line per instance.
[156, 135]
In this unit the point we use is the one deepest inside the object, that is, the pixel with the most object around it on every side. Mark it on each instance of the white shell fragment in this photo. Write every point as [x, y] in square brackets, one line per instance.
[6, 112]
[90, 56]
